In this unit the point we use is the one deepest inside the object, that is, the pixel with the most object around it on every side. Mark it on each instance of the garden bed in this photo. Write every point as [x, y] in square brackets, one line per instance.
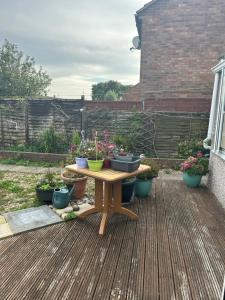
[165, 163]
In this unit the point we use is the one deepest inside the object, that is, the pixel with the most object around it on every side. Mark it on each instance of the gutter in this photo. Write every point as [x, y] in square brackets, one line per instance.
[207, 140]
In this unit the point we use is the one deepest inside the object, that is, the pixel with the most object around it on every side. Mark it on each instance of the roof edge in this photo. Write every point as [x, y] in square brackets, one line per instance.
[145, 6]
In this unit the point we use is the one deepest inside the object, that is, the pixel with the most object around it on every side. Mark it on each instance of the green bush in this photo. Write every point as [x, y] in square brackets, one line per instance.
[49, 141]
[191, 148]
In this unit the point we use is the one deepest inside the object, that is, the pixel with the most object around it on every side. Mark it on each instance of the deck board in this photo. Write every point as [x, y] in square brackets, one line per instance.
[176, 250]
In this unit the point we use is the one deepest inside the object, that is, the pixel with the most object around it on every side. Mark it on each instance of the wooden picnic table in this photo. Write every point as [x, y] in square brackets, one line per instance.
[107, 192]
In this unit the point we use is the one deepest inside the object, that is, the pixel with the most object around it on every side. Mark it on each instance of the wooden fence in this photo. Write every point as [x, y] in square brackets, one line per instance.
[155, 133]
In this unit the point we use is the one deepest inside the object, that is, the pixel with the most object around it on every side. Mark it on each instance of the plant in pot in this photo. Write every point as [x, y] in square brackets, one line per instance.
[78, 150]
[107, 148]
[45, 187]
[76, 181]
[127, 189]
[143, 184]
[193, 169]
[95, 155]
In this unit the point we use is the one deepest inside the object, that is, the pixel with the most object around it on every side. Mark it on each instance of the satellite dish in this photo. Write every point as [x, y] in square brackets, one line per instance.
[136, 42]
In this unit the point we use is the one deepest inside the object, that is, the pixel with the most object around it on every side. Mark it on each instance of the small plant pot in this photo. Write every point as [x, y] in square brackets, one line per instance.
[142, 188]
[44, 197]
[95, 165]
[81, 162]
[79, 188]
[106, 163]
[192, 181]
[127, 190]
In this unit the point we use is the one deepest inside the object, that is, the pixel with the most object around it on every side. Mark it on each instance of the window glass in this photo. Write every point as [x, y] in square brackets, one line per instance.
[222, 142]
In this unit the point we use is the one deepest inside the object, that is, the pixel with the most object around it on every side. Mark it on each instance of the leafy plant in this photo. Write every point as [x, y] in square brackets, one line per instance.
[50, 141]
[191, 148]
[152, 173]
[48, 181]
[70, 216]
[75, 139]
[195, 166]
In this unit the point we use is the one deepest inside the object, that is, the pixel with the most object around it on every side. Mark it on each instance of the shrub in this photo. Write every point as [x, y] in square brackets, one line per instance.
[50, 141]
[191, 148]
[195, 166]
[152, 173]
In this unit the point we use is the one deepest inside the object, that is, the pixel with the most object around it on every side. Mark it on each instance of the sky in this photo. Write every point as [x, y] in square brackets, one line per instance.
[78, 43]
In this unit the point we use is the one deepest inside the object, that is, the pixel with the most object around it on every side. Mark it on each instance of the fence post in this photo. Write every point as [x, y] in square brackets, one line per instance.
[2, 130]
[26, 120]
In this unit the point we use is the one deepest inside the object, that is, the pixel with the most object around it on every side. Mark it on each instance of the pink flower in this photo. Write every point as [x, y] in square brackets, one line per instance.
[199, 154]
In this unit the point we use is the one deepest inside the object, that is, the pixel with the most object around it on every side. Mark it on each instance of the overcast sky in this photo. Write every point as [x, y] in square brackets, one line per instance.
[78, 42]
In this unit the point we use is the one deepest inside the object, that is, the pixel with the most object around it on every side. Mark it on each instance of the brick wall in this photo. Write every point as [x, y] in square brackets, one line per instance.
[171, 105]
[181, 41]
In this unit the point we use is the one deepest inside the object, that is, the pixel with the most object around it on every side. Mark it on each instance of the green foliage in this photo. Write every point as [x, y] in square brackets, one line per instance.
[191, 148]
[75, 139]
[70, 216]
[49, 181]
[120, 141]
[111, 96]
[49, 141]
[99, 90]
[10, 186]
[152, 173]
[195, 166]
[19, 75]
[24, 162]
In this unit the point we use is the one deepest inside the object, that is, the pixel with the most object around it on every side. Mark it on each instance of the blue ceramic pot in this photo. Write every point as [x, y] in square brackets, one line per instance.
[192, 181]
[81, 162]
[142, 188]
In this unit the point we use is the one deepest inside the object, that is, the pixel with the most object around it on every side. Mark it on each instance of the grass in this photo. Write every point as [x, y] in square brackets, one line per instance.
[17, 191]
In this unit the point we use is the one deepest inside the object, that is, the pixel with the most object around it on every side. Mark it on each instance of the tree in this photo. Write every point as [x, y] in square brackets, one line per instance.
[111, 96]
[100, 89]
[18, 75]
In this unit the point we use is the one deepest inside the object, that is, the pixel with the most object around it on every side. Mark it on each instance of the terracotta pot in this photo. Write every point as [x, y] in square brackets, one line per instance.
[80, 185]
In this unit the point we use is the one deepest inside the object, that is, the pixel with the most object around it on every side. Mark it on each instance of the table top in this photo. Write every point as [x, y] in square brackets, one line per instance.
[107, 174]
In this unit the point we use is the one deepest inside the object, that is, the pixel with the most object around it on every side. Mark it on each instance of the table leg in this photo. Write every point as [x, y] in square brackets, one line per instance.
[117, 203]
[106, 206]
[98, 200]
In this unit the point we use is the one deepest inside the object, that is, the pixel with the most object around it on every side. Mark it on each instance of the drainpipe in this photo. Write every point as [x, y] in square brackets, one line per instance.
[207, 141]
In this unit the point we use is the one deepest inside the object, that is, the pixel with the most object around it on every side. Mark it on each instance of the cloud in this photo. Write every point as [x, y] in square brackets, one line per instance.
[77, 42]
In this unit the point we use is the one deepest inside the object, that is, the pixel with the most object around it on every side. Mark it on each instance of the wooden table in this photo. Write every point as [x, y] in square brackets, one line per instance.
[107, 202]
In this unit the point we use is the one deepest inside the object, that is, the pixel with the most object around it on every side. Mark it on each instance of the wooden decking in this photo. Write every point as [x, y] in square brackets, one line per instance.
[175, 251]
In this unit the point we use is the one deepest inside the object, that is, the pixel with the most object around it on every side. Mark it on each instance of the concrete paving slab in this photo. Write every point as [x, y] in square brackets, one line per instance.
[5, 230]
[83, 208]
[31, 218]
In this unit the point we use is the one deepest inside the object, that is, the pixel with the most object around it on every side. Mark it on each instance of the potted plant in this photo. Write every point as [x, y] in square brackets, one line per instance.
[45, 187]
[143, 184]
[76, 181]
[95, 155]
[193, 169]
[106, 148]
[77, 150]
[127, 189]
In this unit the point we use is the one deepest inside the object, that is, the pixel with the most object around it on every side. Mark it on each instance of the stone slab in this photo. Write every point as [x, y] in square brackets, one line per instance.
[83, 208]
[5, 230]
[31, 218]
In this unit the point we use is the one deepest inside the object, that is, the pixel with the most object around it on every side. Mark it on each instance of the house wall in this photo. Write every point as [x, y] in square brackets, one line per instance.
[216, 178]
[181, 41]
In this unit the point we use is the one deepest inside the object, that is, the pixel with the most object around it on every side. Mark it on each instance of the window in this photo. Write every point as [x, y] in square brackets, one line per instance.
[220, 121]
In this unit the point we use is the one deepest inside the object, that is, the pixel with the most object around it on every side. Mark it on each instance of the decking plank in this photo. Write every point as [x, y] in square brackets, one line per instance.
[151, 289]
[166, 278]
[119, 284]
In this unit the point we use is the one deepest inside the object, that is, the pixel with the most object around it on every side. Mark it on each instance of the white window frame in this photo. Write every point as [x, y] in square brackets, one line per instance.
[220, 116]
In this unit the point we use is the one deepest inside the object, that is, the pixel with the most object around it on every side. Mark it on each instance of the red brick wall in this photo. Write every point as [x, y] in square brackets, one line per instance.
[171, 105]
[133, 93]
[181, 41]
